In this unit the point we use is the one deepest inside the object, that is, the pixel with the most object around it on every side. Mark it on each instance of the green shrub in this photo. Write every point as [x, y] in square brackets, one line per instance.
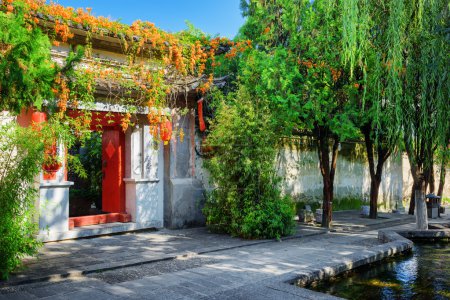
[344, 203]
[20, 159]
[246, 200]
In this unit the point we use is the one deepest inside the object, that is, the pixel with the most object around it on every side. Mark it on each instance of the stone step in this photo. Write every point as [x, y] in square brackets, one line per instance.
[99, 219]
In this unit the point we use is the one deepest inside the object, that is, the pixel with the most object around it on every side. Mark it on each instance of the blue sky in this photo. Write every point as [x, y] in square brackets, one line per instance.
[211, 16]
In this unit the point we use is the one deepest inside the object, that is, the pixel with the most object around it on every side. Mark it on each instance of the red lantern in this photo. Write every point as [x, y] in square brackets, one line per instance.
[201, 122]
[50, 170]
[37, 118]
[165, 131]
[51, 164]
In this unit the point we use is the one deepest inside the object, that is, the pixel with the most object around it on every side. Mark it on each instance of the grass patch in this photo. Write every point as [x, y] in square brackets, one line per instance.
[347, 203]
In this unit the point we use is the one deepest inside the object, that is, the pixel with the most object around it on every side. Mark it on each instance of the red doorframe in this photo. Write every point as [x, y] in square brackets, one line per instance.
[113, 157]
[113, 187]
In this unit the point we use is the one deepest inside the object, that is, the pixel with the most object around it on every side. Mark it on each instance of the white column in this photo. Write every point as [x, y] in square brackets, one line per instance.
[54, 207]
[54, 200]
[144, 185]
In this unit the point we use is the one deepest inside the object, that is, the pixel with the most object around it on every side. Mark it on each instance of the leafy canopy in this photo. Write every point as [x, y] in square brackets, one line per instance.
[26, 71]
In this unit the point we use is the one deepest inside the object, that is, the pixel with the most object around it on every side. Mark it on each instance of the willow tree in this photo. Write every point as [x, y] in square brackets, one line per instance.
[372, 47]
[425, 98]
[297, 66]
[399, 50]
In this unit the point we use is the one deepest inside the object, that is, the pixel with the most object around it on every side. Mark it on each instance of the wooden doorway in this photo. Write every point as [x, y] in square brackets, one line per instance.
[113, 168]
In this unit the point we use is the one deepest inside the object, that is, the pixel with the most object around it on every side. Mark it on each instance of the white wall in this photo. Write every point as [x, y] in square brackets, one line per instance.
[297, 163]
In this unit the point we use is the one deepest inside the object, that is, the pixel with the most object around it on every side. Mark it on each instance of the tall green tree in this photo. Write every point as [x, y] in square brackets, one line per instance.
[297, 66]
[399, 51]
[373, 34]
[425, 100]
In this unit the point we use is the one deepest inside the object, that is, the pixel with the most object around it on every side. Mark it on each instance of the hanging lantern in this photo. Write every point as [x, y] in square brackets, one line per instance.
[37, 118]
[51, 163]
[201, 122]
[165, 130]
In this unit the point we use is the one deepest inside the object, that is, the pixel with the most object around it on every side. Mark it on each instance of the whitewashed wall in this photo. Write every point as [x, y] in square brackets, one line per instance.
[297, 163]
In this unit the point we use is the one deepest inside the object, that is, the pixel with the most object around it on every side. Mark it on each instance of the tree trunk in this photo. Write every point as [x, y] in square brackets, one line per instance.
[327, 170]
[412, 202]
[428, 173]
[327, 200]
[431, 183]
[441, 179]
[421, 206]
[375, 174]
[416, 167]
[374, 189]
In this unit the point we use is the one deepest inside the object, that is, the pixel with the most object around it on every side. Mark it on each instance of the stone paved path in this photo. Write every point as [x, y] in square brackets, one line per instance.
[241, 271]
[77, 257]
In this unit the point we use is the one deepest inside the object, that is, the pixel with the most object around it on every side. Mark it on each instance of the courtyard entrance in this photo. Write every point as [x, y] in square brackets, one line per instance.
[100, 196]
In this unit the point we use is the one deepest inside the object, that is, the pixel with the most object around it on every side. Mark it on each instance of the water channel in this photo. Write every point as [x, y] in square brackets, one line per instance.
[422, 274]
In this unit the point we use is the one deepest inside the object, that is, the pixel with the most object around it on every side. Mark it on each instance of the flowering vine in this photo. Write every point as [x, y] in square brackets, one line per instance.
[155, 60]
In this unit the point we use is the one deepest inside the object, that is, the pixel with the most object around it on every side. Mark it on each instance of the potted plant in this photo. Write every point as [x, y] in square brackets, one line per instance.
[365, 209]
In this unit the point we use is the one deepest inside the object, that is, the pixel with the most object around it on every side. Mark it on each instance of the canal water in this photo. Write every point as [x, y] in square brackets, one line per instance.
[423, 274]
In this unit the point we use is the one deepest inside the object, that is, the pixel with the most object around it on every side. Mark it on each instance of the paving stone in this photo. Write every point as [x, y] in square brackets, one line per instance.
[249, 272]
[85, 294]
[48, 291]
[141, 284]
[187, 292]
[17, 296]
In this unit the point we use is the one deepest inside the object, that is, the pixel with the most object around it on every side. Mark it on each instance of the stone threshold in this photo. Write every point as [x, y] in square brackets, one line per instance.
[92, 231]
[105, 218]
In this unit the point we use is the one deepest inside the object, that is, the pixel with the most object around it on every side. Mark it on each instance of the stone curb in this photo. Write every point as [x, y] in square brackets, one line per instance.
[430, 234]
[394, 244]
[384, 224]
[137, 262]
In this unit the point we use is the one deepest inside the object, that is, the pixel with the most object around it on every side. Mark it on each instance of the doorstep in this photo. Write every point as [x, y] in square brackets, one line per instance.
[95, 230]
[98, 219]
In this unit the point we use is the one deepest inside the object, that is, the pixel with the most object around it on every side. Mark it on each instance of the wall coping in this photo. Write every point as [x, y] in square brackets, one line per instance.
[140, 180]
[55, 184]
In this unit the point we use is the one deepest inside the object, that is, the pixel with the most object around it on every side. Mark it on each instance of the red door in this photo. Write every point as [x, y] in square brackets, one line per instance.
[113, 167]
